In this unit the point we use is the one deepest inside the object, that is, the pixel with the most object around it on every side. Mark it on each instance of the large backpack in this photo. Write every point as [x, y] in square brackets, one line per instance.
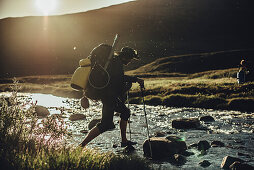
[92, 75]
[98, 78]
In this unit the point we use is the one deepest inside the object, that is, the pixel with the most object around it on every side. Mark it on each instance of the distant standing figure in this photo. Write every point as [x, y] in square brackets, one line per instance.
[243, 71]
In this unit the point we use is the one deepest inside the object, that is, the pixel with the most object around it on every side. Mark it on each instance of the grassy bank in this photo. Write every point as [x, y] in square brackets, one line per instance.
[217, 89]
[213, 89]
[26, 143]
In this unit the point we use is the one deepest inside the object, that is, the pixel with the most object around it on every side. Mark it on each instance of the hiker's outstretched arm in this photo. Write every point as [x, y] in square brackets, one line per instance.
[133, 80]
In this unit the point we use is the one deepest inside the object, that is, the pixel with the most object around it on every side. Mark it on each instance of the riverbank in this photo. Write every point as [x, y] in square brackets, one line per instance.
[201, 91]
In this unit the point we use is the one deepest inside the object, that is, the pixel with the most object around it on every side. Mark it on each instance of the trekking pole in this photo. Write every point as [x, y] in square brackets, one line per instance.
[142, 93]
[130, 116]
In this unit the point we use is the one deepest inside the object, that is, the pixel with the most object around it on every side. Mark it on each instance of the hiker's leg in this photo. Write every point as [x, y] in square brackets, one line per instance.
[91, 135]
[125, 114]
[106, 121]
[123, 126]
[107, 114]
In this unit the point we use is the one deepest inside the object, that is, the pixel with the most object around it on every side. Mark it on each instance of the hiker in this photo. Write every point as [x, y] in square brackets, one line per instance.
[243, 72]
[113, 96]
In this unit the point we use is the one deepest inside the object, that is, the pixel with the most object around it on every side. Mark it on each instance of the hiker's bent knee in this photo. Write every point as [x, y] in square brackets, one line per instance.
[125, 116]
[103, 127]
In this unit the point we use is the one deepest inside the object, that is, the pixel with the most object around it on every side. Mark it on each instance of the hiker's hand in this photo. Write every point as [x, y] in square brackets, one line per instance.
[141, 83]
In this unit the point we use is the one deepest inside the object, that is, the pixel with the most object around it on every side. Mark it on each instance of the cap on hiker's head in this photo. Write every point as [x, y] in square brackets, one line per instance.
[242, 62]
[130, 53]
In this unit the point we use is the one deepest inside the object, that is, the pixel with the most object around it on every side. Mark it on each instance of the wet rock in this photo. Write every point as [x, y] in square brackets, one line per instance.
[239, 166]
[93, 123]
[76, 117]
[163, 147]
[159, 134]
[186, 123]
[207, 119]
[217, 144]
[41, 111]
[228, 160]
[204, 163]
[179, 159]
[203, 145]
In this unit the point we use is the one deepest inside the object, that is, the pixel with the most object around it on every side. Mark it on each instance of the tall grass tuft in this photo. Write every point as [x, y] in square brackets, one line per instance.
[27, 142]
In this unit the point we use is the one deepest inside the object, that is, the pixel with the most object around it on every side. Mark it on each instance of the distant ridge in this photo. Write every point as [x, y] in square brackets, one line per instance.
[195, 63]
[156, 28]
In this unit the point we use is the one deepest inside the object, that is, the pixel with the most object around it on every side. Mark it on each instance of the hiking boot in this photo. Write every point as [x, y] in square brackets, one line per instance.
[128, 143]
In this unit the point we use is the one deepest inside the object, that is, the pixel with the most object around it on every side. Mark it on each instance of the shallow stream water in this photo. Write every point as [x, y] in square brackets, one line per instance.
[235, 129]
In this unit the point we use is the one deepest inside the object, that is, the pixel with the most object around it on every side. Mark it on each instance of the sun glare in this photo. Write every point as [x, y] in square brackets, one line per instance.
[46, 6]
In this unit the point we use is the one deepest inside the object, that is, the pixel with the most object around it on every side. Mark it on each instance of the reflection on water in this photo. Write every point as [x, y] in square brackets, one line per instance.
[235, 129]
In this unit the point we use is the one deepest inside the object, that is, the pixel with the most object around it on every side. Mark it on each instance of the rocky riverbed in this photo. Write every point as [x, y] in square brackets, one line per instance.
[233, 129]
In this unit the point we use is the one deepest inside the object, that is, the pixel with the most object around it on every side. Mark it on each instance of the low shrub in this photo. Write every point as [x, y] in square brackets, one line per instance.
[26, 143]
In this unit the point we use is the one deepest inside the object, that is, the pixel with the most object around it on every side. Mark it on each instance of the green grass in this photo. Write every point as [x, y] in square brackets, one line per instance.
[28, 144]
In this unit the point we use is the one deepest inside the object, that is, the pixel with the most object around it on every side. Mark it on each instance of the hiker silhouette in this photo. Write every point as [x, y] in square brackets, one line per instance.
[245, 72]
[113, 96]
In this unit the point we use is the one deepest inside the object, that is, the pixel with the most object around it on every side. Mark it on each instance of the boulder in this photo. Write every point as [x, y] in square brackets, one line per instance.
[41, 111]
[228, 160]
[76, 117]
[186, 123]
[217, 144]
[203, 145]
[93, 123]
[207, 119]
[163, 147]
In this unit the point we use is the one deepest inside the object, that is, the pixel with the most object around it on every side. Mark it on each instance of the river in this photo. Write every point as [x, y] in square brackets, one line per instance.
[235, 129]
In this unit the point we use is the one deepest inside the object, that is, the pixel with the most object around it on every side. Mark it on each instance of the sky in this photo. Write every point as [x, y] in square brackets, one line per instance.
[20, 8]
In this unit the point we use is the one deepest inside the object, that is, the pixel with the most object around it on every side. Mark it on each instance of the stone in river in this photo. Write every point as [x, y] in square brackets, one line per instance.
[203, 145]
[76, 117]
[41, 111]
[163, 147]
[204, 163]
[207, 119]
[186, 123]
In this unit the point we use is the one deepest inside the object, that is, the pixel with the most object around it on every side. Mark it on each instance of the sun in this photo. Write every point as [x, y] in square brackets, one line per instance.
[46, 6]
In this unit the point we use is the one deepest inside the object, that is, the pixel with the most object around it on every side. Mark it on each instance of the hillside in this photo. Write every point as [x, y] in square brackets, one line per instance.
[156, 28]
[183, 65]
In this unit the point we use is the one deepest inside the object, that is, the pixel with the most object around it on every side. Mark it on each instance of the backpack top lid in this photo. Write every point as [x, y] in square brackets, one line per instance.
[100, 54]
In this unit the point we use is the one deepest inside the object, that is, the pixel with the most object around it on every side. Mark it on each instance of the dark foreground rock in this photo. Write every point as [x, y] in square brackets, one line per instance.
[163, 147]
[186, 123]
[228, 160]
[41, 111]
